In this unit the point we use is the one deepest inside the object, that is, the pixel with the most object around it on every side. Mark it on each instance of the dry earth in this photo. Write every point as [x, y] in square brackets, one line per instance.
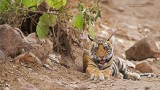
[132, 20]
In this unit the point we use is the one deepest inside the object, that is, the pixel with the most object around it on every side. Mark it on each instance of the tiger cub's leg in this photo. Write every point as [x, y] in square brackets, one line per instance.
[91, 69]
[107, 72]
[123, 69]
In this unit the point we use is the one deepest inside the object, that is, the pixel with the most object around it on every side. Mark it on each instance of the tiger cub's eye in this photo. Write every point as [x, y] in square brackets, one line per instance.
[109, 51]
[95, 46]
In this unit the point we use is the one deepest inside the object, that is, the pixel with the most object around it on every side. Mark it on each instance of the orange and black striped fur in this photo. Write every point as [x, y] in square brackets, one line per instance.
[100, 62]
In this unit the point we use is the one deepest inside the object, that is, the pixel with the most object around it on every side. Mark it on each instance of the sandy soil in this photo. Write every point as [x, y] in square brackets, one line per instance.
[133, 19]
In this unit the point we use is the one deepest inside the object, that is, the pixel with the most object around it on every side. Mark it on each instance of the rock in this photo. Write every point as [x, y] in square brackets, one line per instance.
[27, 57]
[32, 38]
[39, 51]
[11, 42]
[53, 58]
[42, 49]
[144, 67]
[48, 45]
[15, 42]
[49, 62]
[35, 52]
[143, 49]
[32, 35]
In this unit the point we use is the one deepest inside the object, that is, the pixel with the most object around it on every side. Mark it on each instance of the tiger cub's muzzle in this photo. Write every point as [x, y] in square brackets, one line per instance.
[103, 60]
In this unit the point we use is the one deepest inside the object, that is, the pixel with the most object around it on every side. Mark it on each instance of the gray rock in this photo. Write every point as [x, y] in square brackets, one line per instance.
[10, 42]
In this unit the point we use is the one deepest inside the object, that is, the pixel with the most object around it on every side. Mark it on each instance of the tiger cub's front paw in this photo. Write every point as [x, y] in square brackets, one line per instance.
[107, 73]
[97, 76]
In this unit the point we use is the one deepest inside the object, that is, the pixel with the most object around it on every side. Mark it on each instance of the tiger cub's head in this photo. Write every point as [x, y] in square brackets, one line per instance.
[101, 51]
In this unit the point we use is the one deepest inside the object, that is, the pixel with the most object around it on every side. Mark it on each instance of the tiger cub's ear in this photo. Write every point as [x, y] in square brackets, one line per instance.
[110, 39]
[92, 42]
[90, 38]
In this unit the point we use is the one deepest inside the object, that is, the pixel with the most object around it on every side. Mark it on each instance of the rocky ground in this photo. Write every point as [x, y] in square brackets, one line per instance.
[129, 20]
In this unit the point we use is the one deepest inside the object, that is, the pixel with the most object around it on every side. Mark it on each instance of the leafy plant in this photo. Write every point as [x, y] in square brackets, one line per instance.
[3, 6]
[86, 17]
[78, 21]
[53, 15]
[45, 21]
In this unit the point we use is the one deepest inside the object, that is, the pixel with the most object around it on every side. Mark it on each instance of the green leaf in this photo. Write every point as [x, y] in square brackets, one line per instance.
[42, 30]
[56, 4]
[29, 3]
[44, 19]
[91, 30]
[64, 2]
[78, 21]
[52, 20]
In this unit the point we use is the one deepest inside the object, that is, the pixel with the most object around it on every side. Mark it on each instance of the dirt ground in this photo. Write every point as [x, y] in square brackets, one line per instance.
[133, 20]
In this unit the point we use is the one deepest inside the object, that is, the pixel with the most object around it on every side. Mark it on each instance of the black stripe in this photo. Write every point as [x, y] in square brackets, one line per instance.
[108, 59]
[122, 67]
[92, 65]
[118, 63]
[114, 69]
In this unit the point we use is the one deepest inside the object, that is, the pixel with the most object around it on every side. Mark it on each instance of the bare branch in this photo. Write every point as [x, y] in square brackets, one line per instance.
[51, 12]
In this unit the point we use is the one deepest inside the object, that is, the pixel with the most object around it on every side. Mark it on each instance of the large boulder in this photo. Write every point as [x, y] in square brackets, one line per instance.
[10, 41]
[35, 52]
[143, 49]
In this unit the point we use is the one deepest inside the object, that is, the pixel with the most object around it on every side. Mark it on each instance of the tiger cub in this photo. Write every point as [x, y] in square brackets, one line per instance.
[100, 63]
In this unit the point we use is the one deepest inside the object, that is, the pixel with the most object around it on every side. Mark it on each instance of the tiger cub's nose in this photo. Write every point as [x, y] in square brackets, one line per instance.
[101, 57]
